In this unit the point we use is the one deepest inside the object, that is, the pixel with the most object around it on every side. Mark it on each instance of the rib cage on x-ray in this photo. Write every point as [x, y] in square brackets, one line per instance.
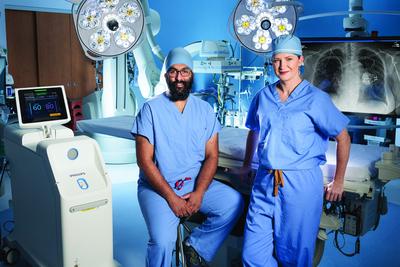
[361, 77]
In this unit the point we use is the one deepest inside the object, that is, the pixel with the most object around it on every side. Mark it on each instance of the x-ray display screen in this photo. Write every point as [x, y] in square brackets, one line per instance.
[361, 76]
[42, 104]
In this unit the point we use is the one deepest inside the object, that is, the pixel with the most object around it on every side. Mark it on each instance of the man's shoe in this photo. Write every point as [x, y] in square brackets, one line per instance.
[192, 258]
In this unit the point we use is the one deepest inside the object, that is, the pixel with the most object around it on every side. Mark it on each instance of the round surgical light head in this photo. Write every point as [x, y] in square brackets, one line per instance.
[257, 22]
[108, 28]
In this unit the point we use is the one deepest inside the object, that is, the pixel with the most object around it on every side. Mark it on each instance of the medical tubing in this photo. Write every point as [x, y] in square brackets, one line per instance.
[3, 170]
[357, 246]
[382, 208]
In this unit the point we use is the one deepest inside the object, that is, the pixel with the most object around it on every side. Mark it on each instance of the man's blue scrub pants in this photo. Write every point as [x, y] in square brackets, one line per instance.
[222, 206]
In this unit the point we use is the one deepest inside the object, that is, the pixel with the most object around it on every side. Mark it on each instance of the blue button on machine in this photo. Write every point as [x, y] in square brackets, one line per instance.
[82, 183]
[72, 153]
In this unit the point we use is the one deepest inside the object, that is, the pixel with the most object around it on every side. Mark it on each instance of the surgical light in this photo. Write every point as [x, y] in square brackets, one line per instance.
[108, 28]
[257, 22]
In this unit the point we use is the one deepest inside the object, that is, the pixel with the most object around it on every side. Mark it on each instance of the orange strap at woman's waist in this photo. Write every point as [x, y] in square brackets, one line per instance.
[278, 180]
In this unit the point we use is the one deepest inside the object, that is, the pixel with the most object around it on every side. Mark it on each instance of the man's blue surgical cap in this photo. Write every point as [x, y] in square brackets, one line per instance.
[289, 44]
[178, 56]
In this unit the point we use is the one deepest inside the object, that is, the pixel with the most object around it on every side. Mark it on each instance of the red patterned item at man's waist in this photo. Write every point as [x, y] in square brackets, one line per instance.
[180, 183]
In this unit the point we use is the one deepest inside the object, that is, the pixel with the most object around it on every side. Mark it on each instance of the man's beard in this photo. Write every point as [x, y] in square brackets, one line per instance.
[176, 94]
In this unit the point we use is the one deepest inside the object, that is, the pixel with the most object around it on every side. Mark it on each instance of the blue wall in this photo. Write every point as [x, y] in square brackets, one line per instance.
[182, 24]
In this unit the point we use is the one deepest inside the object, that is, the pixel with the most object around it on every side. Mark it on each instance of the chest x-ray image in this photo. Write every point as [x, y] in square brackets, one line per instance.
[361, 77]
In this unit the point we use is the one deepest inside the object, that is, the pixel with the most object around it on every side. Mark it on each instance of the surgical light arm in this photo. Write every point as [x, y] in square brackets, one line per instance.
[149, 74]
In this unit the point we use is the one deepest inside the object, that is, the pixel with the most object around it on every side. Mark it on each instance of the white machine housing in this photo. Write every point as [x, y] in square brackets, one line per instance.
[61, 197]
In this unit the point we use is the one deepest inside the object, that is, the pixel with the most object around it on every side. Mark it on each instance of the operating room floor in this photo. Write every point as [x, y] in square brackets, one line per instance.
[378, 248]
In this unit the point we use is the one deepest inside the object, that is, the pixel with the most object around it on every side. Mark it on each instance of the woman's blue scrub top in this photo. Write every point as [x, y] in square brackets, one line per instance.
[293, 135]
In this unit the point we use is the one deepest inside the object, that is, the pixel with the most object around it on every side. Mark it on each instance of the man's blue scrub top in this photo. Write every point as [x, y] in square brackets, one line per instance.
[293, 135]
[179, 139]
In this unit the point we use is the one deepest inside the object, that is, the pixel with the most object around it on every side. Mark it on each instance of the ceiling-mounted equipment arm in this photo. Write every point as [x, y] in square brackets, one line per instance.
[152, 28]
[149, 73]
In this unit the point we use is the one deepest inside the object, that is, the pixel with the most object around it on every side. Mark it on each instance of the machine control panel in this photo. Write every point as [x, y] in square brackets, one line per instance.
[351, 224]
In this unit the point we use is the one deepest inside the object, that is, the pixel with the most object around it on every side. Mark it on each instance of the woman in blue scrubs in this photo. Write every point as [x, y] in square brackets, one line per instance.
[290, 122]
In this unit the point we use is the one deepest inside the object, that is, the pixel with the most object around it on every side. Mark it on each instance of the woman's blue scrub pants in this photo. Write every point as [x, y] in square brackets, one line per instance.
[282, 230]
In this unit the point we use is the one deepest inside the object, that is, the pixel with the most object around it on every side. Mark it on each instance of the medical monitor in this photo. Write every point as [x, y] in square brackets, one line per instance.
[42, 106]
[362, 75]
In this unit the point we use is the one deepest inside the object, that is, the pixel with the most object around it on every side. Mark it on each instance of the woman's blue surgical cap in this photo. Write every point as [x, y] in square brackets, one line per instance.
[178, 56]
[289, 44]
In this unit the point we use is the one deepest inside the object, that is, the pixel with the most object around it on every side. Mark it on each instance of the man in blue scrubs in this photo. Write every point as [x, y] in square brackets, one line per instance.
[290, 122]
[177, 153]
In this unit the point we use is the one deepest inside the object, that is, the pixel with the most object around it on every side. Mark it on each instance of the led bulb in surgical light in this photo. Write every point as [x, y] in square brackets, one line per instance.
[100, 41]
[124, 37]
[129, 12]
[255, 6]
[262, 40]
[246, 24]
[278, 9]
[107, 5]
[281, 26]
[89, 18]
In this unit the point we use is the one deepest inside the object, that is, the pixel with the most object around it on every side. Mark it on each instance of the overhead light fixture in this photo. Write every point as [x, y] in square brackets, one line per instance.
[257, 22]
[108, 28]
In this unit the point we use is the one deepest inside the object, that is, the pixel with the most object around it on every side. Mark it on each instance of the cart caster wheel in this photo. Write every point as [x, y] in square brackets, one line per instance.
[10, 255]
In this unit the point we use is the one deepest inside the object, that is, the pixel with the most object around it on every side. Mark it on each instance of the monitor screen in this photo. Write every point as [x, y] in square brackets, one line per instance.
[39, 106]
[361, 75]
